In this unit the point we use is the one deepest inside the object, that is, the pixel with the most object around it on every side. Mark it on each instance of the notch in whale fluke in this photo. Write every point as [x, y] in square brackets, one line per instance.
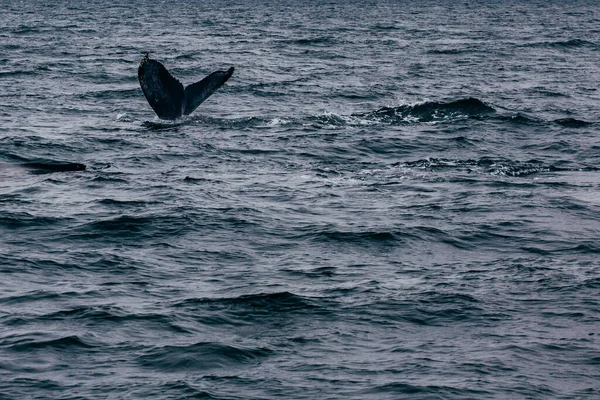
[167, 96]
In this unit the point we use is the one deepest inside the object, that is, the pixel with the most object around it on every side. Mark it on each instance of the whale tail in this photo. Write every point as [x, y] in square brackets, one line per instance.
[196, 93]
[167, 96]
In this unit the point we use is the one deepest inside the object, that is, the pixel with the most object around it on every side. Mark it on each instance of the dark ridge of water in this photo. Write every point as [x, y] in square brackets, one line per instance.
[203, 356]
[112, 179]
[17, 73]
[63, 344]
[520, 119]
[315, 41]
[103, 314]
[387, 200]
[422, 391]
[359, 237]
[121, 204]
[20, 220]
[34, 296]
[494, 166]
[573, 43]
[186, 390]
[110, 94]
[572, 122]
[430, 111]
[49, 167]
[163, 126]
[449, 51]
[263, 303]
[438, 112]
[132, 228]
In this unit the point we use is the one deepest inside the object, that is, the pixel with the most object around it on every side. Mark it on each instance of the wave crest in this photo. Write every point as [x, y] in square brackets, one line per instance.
[430, 111]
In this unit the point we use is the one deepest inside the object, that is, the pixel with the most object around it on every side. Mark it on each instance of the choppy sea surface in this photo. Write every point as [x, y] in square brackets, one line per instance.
[387, 200]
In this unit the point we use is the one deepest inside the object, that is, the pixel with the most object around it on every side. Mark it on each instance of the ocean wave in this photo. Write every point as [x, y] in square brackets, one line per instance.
[185, 390]
[163, 125]
[259, 303]
[315, 41]
[19, 220]
[367, 237]
[110, 94]
[26, 29]
[562, 44]
[385, 27]
[66, 343]
[201, 356]
[519, 119]
[104, 179]
[21, 72]
[425, 391]
[332, 120]
[124, 203]
[434, 112]
[111, 314]
[451, 51]
[493, 166]
[125, 227]
[572, 122]
[239, 123]
[431, 111]
[37, 296]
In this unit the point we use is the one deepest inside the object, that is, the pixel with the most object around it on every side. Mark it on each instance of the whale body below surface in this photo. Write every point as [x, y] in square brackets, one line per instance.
[167, 96]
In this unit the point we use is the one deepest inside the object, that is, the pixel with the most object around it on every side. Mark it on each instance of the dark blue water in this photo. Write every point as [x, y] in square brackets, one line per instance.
[387, 200]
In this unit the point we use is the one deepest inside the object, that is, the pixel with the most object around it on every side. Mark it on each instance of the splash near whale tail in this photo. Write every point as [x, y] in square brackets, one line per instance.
[167, 96]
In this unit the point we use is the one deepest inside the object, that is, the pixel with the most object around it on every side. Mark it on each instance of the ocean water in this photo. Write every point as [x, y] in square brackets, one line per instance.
[388, 200]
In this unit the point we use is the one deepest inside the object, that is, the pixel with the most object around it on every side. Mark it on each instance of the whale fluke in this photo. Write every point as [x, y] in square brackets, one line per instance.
[166, 95]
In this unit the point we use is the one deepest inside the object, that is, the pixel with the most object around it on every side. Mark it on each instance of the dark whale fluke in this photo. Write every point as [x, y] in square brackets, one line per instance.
[166, 95]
